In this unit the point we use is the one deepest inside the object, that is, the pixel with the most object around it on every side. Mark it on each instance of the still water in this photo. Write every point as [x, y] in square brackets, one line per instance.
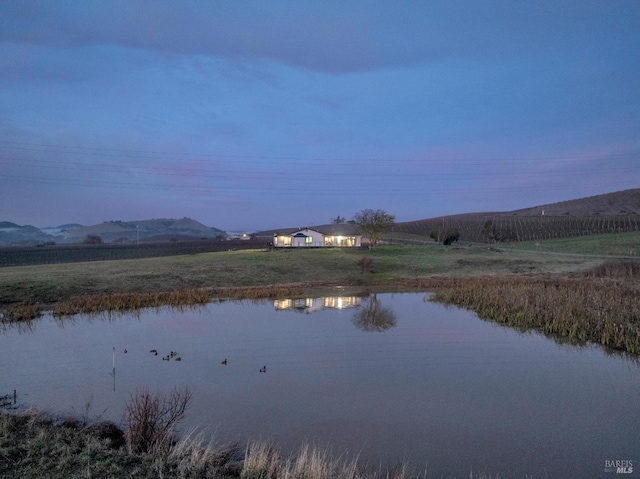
[387, 377]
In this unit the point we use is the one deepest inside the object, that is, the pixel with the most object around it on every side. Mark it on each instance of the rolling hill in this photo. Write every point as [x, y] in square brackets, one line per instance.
[123, 231]
[109, 231]
[607, 213]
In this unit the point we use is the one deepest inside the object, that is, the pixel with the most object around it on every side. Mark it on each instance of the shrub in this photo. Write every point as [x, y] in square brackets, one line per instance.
[92, 239]
[151, 417]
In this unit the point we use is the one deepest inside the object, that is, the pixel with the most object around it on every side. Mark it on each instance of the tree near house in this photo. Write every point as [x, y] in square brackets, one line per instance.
[374, 223]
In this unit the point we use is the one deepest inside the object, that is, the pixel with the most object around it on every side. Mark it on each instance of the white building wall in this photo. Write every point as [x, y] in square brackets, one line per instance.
[317, 239]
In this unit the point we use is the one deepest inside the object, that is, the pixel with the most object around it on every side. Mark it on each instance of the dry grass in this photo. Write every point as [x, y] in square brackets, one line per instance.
[22, 311]
[262, 461]
[123, 302]
[605, 312]
[37, 445]
[615, 269]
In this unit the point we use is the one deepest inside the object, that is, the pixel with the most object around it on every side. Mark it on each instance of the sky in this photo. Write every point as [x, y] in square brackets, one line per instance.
[264, 114]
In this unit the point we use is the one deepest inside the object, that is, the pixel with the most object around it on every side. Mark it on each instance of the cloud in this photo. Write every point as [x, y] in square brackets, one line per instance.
[311, 109]
[328, 36]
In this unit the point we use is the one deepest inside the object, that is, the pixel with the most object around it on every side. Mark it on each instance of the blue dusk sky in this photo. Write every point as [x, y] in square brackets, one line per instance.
[248, 115]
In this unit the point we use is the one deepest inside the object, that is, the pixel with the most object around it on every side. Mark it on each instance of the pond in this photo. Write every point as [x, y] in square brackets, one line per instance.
[386, 377]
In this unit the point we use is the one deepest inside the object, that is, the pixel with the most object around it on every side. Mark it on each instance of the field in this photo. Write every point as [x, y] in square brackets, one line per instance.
[76, 253]
[50, 283]
[623, 244]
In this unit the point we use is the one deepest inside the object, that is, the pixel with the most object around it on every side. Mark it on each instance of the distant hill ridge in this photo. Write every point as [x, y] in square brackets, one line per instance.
[625, 202]
[109, 231]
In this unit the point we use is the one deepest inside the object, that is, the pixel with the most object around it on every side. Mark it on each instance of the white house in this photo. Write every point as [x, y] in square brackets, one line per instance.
[311, 305]
[341, 235]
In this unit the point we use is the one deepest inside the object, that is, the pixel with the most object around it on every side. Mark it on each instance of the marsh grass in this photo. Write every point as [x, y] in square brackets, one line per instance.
[615, 269]
[21, 312]
[124, 302]
[605, 312]
[38, 445]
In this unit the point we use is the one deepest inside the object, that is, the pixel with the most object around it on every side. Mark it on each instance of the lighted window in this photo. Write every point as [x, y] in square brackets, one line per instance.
[286, 240]
[308, 240]
[347, 241]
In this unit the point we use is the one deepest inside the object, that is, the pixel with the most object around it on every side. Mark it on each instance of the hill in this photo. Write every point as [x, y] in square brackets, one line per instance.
[608, 213]
[625, 202]
[13, 234]
[119, 231]
[110, 231]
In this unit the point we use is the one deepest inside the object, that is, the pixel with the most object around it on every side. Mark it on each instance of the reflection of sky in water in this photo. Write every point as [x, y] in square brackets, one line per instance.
[440, 386]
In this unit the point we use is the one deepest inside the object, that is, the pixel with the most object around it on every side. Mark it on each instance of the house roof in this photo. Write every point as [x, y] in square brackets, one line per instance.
[339, 229]
[333, 229]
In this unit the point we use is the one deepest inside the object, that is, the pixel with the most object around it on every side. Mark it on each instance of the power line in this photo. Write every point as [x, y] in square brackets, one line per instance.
[350, 191]
[239, 174]
[153, 155]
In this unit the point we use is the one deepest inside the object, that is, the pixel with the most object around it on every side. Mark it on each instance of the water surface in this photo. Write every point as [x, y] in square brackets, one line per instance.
[387, 377]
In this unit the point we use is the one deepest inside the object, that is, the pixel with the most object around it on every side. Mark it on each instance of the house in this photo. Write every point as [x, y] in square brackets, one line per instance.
[341, 235]
[311, 305]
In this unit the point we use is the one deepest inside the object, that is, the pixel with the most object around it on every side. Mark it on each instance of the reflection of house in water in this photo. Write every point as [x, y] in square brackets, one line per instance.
[310, 305]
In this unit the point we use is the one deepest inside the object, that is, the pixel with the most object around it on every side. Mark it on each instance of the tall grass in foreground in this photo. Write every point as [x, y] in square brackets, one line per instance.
[37, 445]
[600, 310]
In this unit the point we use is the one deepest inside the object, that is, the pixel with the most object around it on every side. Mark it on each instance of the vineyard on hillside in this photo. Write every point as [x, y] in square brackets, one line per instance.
[505, 228]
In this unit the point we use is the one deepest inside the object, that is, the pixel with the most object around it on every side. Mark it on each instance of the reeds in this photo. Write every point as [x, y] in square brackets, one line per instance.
[615, 269]
[580, 310]
[262, 461]
[119, 302]
[22, 311]
[122, 302]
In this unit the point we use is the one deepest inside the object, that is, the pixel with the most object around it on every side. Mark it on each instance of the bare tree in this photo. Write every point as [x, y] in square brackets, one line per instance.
[495, 233]
[374, 223]
[374, 316]
[151, 417]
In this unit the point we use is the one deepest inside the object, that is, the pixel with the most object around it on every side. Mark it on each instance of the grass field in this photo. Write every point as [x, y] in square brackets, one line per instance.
[48, 284]
[621, 244]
